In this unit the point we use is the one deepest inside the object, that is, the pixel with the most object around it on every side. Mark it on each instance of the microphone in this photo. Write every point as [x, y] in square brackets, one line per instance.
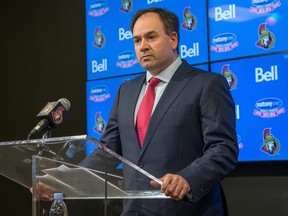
[51, 115]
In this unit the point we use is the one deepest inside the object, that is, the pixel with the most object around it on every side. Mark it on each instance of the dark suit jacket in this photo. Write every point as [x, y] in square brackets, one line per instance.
[191, 133]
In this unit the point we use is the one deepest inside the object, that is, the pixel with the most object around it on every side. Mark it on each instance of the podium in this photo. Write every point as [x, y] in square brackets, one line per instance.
[61, 164]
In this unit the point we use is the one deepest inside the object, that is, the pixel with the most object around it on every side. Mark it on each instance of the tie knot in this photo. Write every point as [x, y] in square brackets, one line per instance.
[154, 82]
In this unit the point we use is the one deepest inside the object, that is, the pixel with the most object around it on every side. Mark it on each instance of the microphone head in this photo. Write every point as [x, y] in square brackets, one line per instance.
[55, 112]
[65, 102]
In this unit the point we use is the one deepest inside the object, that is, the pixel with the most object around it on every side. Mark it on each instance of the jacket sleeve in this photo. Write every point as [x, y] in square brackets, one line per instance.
[220, 150]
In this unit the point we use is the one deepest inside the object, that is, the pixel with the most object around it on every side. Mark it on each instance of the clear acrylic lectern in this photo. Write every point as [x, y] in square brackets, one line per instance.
[50, 165]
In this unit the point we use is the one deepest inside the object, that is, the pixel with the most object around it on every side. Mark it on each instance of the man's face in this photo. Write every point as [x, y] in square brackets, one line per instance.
[155, 49]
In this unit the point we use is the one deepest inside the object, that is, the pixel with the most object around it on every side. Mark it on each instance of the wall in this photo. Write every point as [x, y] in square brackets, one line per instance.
[43, 59]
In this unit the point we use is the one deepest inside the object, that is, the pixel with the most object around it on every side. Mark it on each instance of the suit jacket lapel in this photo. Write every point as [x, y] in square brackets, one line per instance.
[133, 98]
[179, 80]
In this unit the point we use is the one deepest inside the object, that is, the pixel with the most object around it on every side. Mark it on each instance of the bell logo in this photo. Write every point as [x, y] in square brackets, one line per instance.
[99, 67]
[124, 35]
[153, 1]
[267, 76]
[191, 52]
[237, 111]
[221, 14]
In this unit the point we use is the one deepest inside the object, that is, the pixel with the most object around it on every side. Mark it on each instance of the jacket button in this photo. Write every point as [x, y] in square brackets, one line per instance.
[141, 165]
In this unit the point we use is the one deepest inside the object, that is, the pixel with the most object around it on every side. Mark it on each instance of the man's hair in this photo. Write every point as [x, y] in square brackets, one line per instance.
[169, 19]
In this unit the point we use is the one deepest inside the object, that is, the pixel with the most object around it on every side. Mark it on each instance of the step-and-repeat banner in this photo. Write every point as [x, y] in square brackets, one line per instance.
[245, 41]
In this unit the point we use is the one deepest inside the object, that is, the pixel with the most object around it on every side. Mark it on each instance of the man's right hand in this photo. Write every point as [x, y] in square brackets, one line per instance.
[45, 192]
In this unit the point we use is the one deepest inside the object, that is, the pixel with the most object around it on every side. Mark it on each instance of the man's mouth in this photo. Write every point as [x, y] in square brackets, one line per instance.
[145, 57]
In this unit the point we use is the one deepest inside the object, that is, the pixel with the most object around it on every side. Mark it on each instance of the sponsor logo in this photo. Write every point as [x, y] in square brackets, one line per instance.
[230, 77]
[269, 108]
[237, 111]
[153, 1]
[99, 66]
[126, 5]
[221, 14]
[99, 93]
[100, 39]
[126, 59]
[224, 42]
[261, 76]
[264, 6]
[98, 8]
[271, 144]
[190, 21]
[189, 52]
[100, 124]
[124, 35]
[266, 38]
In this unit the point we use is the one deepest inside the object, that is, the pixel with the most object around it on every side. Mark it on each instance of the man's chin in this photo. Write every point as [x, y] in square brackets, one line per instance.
[146, 65]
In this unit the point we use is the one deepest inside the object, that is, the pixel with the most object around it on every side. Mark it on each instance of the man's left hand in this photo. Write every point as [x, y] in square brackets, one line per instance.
[173, 185]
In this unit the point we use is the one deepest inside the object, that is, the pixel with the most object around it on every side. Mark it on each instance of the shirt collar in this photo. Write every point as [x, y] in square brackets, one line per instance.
[166, 74]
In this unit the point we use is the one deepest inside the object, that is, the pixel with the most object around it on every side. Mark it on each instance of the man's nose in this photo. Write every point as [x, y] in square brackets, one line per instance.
[144, 46]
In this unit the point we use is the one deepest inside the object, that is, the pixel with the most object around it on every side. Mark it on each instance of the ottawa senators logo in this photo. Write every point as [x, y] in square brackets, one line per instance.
[271, 145]
[100, 124]
[266, 38]
[230, 77]
[126, 5]
[58, 115]
[99, 38]
[190, 21]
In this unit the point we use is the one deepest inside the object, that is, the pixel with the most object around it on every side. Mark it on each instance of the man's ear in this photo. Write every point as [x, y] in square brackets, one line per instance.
[174, 40]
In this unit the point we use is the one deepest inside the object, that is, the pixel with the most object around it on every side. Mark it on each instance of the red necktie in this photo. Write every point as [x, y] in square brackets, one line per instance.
[145, 110]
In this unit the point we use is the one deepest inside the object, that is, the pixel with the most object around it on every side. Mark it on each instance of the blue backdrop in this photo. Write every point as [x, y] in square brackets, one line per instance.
[243, 40]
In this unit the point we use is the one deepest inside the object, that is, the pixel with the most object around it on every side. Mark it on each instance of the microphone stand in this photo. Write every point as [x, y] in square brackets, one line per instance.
[47, 133]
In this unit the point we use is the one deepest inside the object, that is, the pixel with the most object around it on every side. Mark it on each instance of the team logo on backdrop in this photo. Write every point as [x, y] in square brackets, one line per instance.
[269, 108]
[271, 144]
[98, 8]
[99, 93]
[239, 141]
[230, 77]
[224, 42]
[100, 124]
[190, 21]
[264, 6]
[266, 38]
[126, 6]
[126, 59]
[100, 39]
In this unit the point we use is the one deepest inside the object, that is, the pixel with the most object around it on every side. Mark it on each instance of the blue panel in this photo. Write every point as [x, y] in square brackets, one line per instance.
[259, 88]
[100, 97]
[246, 41]
[244, 28]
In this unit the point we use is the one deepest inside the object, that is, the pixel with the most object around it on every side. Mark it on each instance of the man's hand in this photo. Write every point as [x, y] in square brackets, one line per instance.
[174, 186]
[45, 192]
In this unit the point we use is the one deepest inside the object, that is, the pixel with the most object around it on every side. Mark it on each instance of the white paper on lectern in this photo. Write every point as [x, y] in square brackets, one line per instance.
[83, 181]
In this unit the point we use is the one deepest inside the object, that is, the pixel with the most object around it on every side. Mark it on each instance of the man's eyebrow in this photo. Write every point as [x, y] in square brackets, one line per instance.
[146, 34]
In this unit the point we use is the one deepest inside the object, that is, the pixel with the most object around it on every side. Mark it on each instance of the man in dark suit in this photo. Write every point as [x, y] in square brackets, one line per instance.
[190, 142]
